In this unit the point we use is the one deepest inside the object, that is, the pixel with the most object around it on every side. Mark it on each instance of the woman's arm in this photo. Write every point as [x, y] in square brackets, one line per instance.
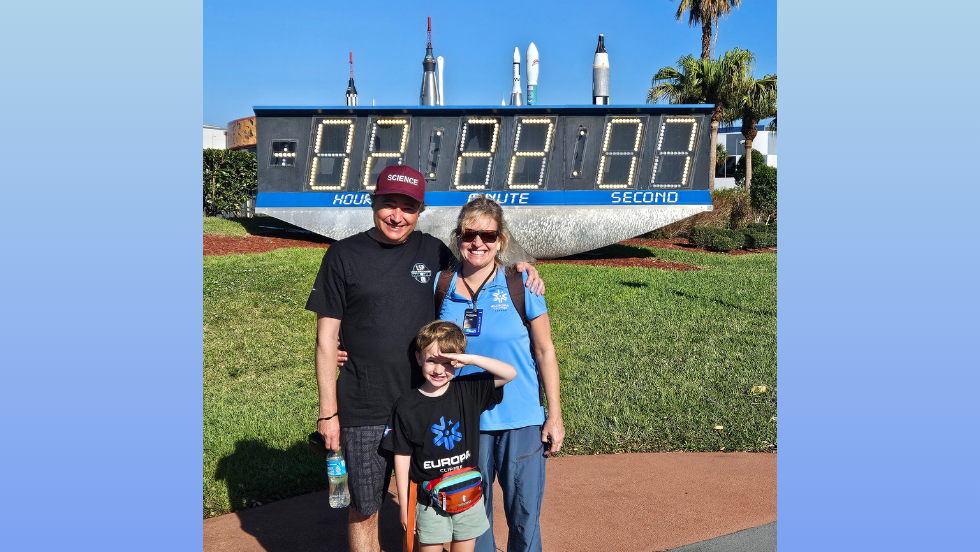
[544, 352]
[401, 485]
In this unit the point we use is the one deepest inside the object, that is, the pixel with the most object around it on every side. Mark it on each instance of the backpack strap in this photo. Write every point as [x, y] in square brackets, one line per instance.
[515, 287]
[442, 287]
[410, 542]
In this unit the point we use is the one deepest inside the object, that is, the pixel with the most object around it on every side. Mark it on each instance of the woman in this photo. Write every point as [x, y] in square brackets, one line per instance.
[515, 436]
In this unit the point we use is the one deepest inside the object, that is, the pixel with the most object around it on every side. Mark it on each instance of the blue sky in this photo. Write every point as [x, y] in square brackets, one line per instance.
[261, 53]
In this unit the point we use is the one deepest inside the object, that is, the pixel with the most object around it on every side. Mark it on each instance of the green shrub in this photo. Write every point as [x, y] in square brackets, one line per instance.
[701, 235]
[759, 240]
[735, 235]
[758, 160]
[721, 242]
[757, 227]
[717, 239]
[763, 190]
[230, 179]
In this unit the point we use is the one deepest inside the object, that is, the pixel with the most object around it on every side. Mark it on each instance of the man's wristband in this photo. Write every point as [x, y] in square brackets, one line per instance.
[328, 417]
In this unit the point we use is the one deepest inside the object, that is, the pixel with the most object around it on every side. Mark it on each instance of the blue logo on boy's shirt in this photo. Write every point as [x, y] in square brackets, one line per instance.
[387, 431]
[446, 435]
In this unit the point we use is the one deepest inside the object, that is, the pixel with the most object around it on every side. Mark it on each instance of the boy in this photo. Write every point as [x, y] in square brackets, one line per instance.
[435, 429]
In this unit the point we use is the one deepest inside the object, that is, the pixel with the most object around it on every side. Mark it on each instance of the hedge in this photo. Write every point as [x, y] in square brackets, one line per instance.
[230, 179]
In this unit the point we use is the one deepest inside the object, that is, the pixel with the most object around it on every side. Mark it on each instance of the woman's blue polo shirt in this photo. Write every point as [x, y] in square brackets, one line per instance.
[502, 337]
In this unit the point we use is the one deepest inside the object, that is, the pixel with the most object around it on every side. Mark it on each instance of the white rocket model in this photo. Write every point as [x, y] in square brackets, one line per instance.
[430, 91]
[600, 75]
[516, 96]
[439, 62]
[351, 91]
[532, 75]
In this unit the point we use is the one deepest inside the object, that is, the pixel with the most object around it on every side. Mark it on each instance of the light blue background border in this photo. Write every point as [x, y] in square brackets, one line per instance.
[102, 310]
[877, 282]
[101, 326]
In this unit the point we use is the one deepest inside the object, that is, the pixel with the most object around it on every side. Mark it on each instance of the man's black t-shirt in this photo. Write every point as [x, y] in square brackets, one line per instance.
[382, 295]
[441, 433]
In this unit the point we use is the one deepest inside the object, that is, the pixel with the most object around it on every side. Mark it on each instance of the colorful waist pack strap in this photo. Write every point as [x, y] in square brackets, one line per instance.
[456, 491]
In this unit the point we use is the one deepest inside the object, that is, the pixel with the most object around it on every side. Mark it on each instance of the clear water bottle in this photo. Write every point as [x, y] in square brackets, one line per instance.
[337, 473]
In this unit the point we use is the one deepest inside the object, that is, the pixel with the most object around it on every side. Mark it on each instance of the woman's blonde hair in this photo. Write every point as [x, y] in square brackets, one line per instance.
[477, 208]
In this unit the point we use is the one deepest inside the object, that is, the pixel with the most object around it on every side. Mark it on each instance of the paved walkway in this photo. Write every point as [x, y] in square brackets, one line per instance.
[650, 502]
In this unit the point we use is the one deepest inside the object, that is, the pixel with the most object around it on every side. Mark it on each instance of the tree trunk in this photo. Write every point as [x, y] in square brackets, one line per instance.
[713, 159]
[706, 38]
[749, 132]
[748, 163]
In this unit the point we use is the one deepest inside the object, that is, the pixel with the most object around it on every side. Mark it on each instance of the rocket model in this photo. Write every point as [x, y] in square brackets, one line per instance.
[600, 75]
[532, 75]
[351, 91]
[430, 90]
[516, 96]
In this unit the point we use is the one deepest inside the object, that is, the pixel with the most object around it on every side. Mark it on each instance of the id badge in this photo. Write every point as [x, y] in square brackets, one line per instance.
[472, 322]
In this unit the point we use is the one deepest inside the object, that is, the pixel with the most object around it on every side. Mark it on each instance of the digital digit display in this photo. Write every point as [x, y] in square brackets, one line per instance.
[283, 153]
[477, 144]
[578, 154]
[532, 144]
[331, 154]
[435, 147]
[620, 149]
[385, 146]
[675, 152]
[614, 172]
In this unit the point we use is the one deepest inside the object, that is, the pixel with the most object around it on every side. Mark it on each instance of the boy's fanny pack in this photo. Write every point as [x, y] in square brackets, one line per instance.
[456, 491]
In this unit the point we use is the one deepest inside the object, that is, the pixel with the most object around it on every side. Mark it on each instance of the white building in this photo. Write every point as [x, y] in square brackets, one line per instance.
[734, 142]
[214, 137]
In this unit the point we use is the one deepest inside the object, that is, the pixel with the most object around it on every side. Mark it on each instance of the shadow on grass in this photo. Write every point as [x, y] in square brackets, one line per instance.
[271, 227]
[615, 251]
[302, 523]
[765, 312]
[634, 284]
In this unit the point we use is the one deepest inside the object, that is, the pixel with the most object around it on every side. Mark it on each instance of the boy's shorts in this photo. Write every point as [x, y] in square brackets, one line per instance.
[436, 526]
[368, 469]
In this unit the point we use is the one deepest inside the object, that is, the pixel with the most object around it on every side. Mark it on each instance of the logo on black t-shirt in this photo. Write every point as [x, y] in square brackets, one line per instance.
[446, 435]
[421, 273]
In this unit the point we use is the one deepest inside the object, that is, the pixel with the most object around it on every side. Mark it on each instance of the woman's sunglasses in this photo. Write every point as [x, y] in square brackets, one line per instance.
[488, 236]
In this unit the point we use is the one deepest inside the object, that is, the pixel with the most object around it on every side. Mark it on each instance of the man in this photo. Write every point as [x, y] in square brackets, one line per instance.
[374, 290]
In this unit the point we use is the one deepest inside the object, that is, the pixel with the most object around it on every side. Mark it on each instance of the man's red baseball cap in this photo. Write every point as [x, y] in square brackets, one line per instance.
[400, 179]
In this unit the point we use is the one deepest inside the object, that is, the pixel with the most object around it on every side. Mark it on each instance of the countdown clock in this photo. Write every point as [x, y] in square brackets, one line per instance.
[570, 178]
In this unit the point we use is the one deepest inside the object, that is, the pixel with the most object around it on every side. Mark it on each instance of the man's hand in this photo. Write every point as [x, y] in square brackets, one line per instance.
[341, 356]
[553, 431]
[534, 282]
[330, 429]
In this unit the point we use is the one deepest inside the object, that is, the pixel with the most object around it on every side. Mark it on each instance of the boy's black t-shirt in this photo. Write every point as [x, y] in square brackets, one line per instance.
[382, 295]
[441, 433]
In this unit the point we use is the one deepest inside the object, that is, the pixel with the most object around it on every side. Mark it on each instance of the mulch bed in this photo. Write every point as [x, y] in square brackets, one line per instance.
[623, 262]
[274, 239]
[685, 245]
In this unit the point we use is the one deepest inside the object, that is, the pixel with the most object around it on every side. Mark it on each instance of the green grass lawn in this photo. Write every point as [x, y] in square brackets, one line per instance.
[651, 360]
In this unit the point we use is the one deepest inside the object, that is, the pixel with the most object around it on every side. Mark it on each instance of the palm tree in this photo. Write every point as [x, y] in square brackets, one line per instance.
[705, 13]
[715, 81]
[756, 100]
